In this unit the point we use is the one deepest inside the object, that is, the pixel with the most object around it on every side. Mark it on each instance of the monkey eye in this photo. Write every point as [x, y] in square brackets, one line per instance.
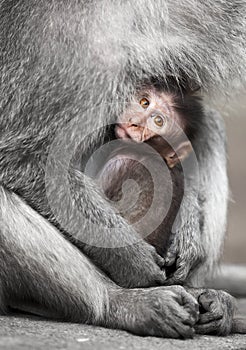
[159, 121]
[144, 102]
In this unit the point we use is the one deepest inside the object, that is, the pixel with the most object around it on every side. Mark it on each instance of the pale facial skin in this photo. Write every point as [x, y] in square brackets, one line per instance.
[151, 116]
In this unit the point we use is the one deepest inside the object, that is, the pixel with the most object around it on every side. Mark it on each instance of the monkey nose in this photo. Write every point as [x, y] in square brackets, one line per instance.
[134, 126]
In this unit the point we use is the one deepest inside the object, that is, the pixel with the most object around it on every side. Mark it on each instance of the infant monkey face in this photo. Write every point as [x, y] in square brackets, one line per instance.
[153, 116]
[149, 114]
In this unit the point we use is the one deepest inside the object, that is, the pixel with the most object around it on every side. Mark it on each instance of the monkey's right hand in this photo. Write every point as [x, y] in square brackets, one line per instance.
[133, 266]
[143, 267]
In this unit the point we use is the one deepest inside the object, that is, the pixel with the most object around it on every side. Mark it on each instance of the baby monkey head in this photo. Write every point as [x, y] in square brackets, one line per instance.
[154, 116]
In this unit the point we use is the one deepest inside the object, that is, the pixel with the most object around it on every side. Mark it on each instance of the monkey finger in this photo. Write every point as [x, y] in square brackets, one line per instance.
[184, 323]
[180, 274]
[190, 306]
[213, 308]
[186, 332]
[181, 331]
[209, 317]
[206, 300]
[161, 278]
[209, 328]
[166, 330]
[159, 260]
[170, 258]
[171, 332]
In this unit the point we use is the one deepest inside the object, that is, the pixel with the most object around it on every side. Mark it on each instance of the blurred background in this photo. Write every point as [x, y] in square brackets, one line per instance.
[235, 118]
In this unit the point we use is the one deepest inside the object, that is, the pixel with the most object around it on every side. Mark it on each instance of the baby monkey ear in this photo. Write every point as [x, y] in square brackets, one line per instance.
[181, 152]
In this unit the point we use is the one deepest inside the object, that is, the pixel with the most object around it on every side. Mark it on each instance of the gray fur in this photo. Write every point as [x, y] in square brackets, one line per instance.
[35, 266]
[199, 233]
[43, 273]
[70, 61]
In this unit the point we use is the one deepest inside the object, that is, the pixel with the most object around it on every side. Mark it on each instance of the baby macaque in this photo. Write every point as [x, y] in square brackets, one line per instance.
[168, 123]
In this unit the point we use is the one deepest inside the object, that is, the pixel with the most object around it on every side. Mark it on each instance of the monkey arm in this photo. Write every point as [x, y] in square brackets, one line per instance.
[106, 238]
[199, 232]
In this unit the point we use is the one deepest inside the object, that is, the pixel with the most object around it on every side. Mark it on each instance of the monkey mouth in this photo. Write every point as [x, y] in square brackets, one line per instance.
[133, 132]
[121, 132]
[128, 132]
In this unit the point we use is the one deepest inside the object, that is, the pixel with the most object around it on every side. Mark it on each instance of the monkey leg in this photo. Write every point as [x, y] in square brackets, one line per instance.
[39, 266]
[199, 231]
[160, 311]
[44, 273]
[216, 311]
[105, 237]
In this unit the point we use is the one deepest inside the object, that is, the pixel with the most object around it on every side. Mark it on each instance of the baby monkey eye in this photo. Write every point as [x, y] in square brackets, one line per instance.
[144, 102]
[159, 121]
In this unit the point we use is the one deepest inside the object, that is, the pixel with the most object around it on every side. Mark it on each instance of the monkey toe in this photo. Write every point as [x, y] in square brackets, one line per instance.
[210, 309]
[209, 328]
[216, 313]
[185, 330]
[191, 306]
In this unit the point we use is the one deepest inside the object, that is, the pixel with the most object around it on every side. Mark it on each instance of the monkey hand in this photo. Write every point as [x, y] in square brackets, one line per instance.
[135, 266]
[216, 311]
[184, 255]
[162, 311]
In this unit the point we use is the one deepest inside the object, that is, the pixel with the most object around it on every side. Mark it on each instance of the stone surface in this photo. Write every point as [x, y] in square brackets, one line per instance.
[21, 332]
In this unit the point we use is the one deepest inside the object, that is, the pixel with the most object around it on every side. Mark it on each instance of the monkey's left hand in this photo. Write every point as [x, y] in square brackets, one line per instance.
[216, 311]
[186, 251]
[184, 255]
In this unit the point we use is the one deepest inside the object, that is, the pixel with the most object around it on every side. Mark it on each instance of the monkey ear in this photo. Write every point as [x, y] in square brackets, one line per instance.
[180, 153]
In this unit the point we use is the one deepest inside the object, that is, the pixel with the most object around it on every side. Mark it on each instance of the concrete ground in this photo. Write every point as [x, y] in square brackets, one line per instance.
[21, 332]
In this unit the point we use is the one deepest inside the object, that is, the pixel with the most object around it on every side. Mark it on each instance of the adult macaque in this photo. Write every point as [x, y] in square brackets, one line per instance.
[65, 67]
